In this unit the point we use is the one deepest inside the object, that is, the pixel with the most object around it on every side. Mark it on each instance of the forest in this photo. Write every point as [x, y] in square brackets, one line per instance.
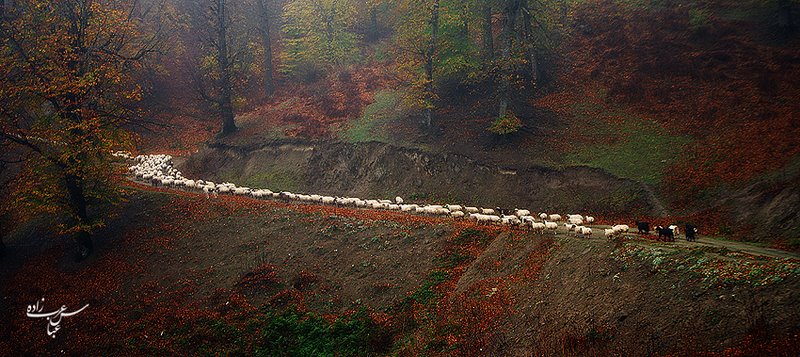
[400, 177]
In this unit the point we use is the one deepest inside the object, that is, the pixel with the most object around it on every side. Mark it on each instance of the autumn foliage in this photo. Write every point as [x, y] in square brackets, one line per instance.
[719, 83]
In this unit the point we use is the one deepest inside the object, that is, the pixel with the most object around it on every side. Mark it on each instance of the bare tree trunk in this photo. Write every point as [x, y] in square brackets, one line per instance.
[434, 22]
[225, 100]
[374, 30]
[488, 41]
[465, 21]
[269, 84]
[509, 20]
[530, 49]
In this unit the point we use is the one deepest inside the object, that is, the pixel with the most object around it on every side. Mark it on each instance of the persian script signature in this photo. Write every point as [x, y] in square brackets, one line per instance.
[53, 318]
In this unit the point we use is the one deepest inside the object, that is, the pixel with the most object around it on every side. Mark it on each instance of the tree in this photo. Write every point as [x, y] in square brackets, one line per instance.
[266, 41]
[318, 35]
[221, 24]
[214, 53]
[486, 26]
[785, 19]
[429, 53]
[68, 90]
[416, 48]
[510, 13]
[529, 42]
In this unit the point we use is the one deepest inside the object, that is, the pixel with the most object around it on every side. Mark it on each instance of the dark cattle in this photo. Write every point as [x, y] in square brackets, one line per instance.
[665, 234]
[643, 227]
[691, 230]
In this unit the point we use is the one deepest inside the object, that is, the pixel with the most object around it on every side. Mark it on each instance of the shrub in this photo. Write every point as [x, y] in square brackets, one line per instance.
[699, 19]
[506, 124]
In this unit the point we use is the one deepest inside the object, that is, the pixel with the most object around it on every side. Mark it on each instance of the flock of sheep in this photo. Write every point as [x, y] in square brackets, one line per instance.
[158, 170]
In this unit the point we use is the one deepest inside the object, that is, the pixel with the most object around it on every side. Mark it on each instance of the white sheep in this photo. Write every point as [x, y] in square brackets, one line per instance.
[408, 208]
[457, 214]
[553, 226]
[454, 207]
[538, 227]
[543, 216]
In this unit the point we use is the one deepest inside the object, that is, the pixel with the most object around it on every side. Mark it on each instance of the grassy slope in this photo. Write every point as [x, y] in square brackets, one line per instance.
[625, 145]
[372, 125]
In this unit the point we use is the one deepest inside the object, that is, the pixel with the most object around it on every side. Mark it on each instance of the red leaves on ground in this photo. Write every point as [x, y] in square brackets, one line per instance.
[720, 85]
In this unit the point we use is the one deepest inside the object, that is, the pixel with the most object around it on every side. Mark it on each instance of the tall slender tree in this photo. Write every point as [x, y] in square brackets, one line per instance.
[486, 26]
[510, 13]
[529, 42]
[266, 41]
[430, 52]
[225, 100]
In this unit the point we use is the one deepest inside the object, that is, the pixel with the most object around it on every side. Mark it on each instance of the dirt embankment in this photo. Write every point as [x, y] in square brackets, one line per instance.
[380, 170]
[771, 207]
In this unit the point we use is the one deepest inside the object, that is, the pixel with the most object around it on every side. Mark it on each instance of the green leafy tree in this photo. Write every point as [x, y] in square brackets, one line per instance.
[318, 35]
[415, 51]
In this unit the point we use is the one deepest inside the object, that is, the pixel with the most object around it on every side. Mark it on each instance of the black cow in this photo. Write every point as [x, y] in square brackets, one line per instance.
[665, 234]
[691, 230]
[643, 227]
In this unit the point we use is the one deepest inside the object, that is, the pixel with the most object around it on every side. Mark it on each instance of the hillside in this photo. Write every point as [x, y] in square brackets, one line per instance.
[695, 102]
[179, 273]
[338, 178]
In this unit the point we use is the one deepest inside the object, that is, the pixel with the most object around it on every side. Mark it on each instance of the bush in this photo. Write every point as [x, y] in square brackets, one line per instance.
[699, 19]
[506, 124]
[297, 334]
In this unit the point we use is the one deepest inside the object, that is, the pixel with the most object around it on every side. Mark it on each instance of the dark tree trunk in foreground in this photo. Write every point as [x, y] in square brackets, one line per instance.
[269, 84]
[225, 100]
[77, 201]
[72, 109]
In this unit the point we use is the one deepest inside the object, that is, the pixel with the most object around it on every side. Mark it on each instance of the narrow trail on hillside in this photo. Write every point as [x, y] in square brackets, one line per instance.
[679, 243]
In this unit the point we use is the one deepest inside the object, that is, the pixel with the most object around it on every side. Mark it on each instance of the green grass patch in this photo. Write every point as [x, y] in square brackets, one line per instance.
[470, 235]
[275, 179]
[427, 294]
[295, 334]
[373, 125]
[643, 149]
